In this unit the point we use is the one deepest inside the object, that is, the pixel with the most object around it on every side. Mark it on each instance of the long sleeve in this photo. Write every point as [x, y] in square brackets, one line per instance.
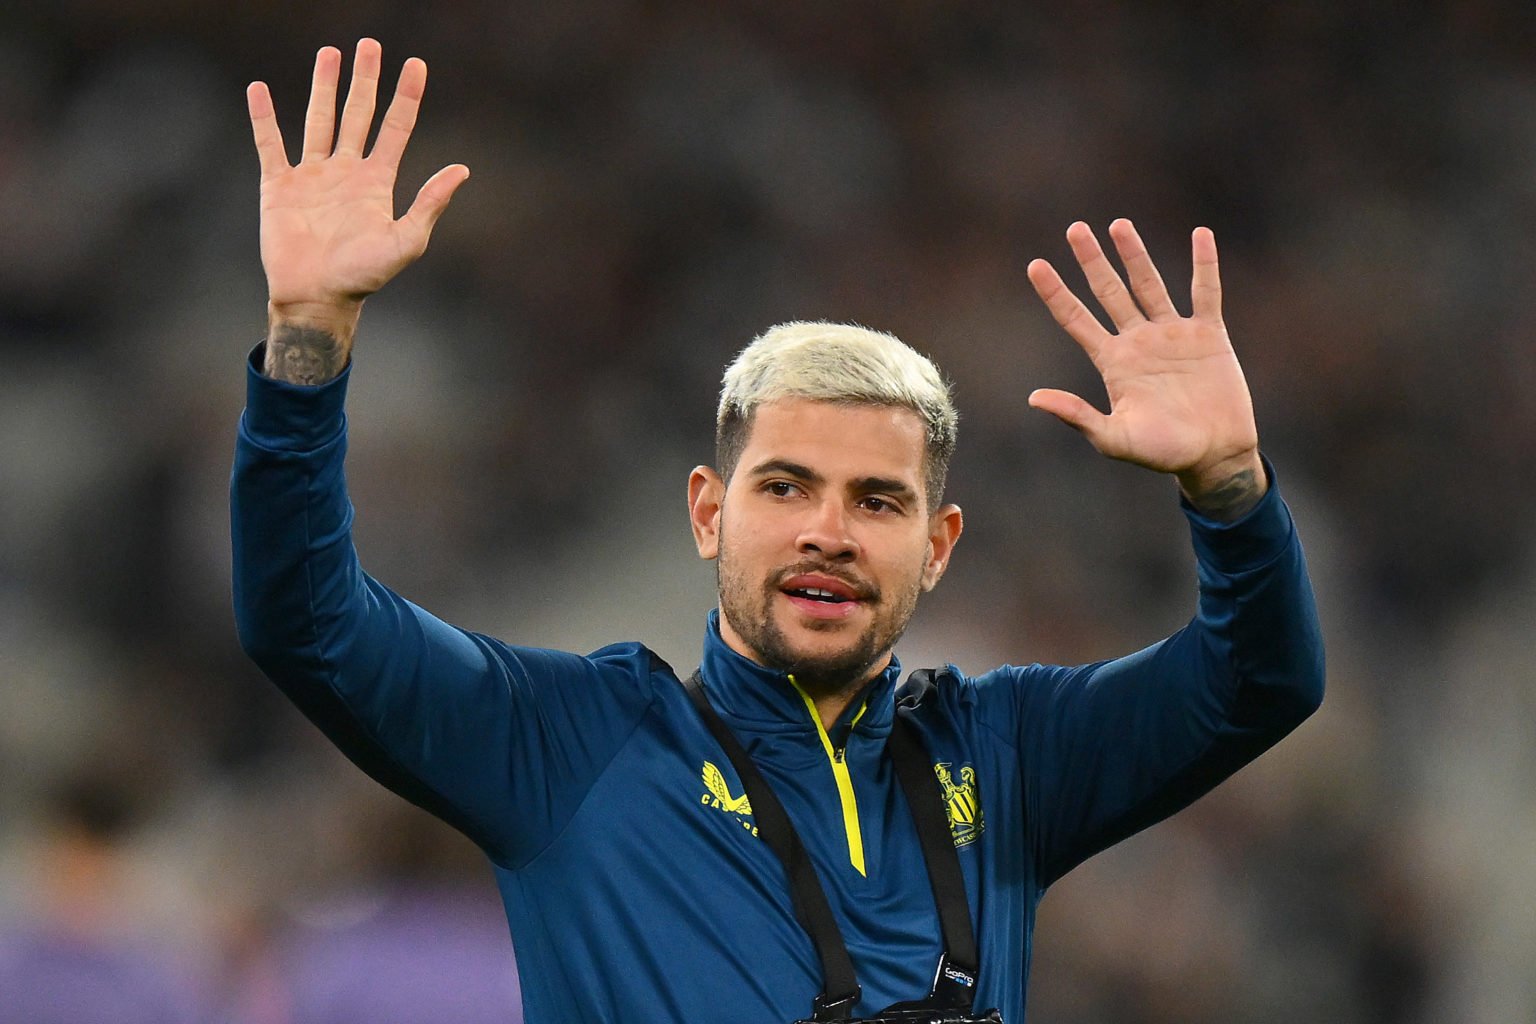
[1109, 748]
[496, 740]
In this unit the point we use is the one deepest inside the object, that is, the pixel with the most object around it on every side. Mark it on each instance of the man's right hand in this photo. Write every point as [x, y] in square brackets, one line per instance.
[329, 237]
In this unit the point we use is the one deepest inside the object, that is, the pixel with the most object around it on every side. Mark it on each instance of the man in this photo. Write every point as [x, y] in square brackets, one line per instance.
[628, 854]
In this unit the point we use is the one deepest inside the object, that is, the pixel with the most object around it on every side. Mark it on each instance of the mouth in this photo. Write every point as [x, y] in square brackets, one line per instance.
[822, 597]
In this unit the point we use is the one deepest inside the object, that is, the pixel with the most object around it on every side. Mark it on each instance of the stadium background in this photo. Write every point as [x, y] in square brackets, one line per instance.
[654, 183]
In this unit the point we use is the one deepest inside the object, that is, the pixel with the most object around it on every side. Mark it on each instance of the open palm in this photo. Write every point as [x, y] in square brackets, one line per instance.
[1178, 401]
[329, 237]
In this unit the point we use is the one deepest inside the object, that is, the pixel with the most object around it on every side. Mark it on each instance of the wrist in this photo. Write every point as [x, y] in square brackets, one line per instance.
[1228, 489]
[309, 343]
[338, 318]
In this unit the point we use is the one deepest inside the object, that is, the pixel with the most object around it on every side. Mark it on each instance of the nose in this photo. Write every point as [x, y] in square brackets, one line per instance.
[826, 532]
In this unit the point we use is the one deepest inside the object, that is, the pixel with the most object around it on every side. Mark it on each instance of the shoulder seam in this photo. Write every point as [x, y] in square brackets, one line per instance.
[555, 834]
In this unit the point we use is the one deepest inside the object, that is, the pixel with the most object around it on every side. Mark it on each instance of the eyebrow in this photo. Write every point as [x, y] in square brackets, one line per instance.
[863, 485]
[784, 466]
[885, 485]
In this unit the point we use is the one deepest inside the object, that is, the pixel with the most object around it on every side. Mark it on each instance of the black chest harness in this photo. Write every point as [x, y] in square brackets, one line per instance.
[954, 983]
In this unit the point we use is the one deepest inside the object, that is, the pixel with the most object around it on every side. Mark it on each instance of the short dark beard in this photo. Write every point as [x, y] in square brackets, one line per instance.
[828, 676]
[749, 609]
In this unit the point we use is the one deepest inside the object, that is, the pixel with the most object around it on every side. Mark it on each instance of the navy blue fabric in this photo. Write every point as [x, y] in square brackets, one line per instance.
[633, 893]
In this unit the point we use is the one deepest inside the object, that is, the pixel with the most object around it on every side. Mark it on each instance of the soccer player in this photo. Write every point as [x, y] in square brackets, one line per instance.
[644, 833]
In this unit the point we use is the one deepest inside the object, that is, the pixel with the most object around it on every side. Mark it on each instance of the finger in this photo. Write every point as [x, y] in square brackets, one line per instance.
[1075, 412]
[357, 115]
[269, 140]
[1066, 308]
[1205, 285]
[430, 203]
[400, 118]
[320, 118]
[1146, 282]
[1102, 278]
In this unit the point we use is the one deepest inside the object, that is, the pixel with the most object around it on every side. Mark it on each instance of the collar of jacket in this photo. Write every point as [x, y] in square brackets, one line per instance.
[764, 700]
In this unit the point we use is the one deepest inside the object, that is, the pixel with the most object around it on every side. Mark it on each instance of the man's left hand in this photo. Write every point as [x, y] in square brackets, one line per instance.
[1178, 402]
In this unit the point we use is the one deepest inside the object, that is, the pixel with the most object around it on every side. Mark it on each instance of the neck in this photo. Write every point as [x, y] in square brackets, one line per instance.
[830, 709]
[830, 706]
[827, 685]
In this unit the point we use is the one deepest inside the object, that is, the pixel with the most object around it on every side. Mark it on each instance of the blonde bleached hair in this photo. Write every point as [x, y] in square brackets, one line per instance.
[830, 362]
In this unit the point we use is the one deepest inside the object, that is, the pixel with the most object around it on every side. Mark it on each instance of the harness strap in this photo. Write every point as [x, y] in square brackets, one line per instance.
[954, 984]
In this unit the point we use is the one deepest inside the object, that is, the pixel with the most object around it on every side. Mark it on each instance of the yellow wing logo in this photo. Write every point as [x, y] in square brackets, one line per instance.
[714, 781]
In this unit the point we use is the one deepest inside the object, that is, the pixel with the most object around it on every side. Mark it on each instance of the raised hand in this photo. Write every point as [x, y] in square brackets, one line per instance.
[1177, 398]
[329, 237]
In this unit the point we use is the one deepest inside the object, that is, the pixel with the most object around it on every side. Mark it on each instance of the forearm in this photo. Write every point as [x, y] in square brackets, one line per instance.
[1131, 741]
[306, 610]
[379, 676]
[501, 742]
[289, 514]
[1258, 617]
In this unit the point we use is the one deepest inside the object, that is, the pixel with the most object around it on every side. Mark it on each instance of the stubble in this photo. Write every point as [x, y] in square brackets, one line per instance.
[749, 604]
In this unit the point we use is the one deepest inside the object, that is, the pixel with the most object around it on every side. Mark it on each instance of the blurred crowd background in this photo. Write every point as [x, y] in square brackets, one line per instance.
[653, 184]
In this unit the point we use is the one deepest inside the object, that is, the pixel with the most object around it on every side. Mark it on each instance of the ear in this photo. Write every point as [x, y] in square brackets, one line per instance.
[943, 532]
[706, 493]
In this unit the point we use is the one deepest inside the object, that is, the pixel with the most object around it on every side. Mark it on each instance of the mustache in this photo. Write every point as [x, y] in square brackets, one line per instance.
[862, 589]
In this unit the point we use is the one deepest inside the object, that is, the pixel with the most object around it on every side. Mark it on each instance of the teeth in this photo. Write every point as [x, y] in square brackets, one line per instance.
[819, 594]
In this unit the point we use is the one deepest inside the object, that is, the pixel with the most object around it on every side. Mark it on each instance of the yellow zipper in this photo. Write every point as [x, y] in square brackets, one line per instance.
[844, 781]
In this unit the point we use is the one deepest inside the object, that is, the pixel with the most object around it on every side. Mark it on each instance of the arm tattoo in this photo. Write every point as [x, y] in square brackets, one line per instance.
[1232, 498]
[304, 355]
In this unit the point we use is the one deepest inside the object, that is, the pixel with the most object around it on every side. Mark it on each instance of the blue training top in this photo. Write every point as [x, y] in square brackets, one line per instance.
[621, 838]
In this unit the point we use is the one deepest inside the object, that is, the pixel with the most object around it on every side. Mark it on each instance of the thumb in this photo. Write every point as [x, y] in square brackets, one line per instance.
[431, 201]
[1071, 410]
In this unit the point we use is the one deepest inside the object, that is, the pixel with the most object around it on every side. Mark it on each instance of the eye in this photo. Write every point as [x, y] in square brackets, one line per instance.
[780, 488]
[878, 505]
